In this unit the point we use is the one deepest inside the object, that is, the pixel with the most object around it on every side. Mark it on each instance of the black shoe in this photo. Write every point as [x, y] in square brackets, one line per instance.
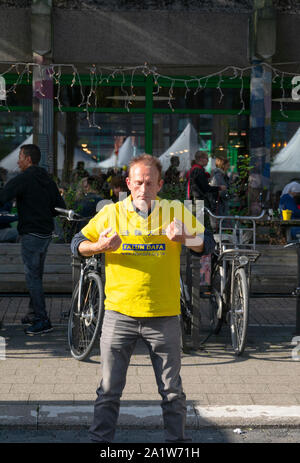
[28, 319]
[40, 327]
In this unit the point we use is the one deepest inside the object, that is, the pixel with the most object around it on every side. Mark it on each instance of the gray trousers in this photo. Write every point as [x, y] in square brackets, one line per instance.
[162, 336]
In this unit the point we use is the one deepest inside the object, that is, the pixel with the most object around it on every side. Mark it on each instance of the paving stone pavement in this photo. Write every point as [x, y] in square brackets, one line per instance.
[41, 385]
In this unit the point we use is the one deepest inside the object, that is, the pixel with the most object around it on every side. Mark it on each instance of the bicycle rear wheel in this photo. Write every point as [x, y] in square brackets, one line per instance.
[239, 312]
[85, 324]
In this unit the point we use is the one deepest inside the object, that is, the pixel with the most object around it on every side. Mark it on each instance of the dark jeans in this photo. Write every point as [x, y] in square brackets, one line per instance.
[34, 252]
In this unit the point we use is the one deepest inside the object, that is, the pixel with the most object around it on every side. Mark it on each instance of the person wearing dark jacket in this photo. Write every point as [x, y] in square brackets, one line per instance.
[197, 177]
[36, 196]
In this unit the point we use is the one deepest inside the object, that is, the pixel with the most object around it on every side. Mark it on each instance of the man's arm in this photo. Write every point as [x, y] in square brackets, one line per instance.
[209, 243]
[81, 246]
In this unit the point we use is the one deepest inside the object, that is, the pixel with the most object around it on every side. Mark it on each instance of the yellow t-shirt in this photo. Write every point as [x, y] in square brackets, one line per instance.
[142, 276]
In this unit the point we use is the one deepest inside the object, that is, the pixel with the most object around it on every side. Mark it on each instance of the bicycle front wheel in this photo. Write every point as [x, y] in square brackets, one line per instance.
[85, 319]
[239, 313]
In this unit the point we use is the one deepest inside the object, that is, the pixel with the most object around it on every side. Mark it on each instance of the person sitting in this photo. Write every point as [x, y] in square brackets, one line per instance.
[118, 185]
[87, 206]
[7, 233]
[290, 201]
[79, 172]
[287, 187]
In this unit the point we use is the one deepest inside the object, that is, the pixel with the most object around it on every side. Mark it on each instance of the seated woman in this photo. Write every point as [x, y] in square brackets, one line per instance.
[290, 201]
[7, 233]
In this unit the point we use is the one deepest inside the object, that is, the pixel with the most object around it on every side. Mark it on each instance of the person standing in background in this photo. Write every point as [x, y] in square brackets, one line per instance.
[36, 196]
[198, 180]
[220, 177]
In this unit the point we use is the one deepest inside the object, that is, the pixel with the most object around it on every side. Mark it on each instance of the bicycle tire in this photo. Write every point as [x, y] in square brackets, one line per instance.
[239, 311]
[84, 327]
[216, 304]
[185, 315]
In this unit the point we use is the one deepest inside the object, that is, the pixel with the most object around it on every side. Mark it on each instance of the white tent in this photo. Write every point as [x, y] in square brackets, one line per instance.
[185, 147]
[108, 163]
[286, 164]
[126, 153]
[10, 161]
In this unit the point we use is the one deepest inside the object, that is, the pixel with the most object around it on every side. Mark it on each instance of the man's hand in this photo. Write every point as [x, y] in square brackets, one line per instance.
[177, 232]
[105, 243]
[109, 243]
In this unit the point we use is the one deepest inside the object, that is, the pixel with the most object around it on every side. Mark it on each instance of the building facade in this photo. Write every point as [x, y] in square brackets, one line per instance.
[83, 77]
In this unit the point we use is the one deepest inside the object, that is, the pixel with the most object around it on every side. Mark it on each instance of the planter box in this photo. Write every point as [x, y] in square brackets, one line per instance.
[274, 272]
[57, 274]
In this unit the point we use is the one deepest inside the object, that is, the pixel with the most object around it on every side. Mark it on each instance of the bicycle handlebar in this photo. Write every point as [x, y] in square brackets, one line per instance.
[292, 243]
[70, 215]
[7, 214]
[241, 217]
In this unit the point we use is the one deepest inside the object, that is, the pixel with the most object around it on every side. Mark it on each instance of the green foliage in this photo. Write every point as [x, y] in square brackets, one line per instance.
[238, 190]
[67, 227]
[174, 191]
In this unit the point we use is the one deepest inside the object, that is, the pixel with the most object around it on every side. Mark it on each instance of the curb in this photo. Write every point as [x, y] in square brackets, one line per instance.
[149, 416]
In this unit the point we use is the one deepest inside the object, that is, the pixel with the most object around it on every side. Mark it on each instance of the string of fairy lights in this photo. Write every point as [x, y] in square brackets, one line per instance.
[104, 75]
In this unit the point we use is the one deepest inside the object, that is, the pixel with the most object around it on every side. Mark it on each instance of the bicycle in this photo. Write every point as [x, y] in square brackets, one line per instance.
[230, 276]
[86, 311]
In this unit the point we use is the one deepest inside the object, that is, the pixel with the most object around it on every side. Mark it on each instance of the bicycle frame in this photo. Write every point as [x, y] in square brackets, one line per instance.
[86, 265]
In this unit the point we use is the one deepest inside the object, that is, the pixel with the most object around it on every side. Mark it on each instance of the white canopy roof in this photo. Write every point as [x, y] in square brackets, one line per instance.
[286, 165]
[185, 147]
[288, 159]
[109, 162]
[127, 151]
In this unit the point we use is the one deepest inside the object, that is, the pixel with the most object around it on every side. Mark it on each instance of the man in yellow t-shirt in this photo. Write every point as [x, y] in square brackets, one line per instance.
[141, 237]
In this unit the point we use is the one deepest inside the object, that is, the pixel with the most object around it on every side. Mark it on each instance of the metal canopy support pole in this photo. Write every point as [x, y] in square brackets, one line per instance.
[42, 80]
[149, 115]
[43, 114]
[298, 293]
[262, 46]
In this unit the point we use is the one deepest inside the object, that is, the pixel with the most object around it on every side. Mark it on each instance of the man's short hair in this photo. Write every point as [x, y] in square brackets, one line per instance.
[148, 160]
[200, 155]
[32, 151]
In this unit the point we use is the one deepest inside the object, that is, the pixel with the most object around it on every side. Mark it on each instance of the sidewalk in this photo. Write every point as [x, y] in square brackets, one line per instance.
[41, 385]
